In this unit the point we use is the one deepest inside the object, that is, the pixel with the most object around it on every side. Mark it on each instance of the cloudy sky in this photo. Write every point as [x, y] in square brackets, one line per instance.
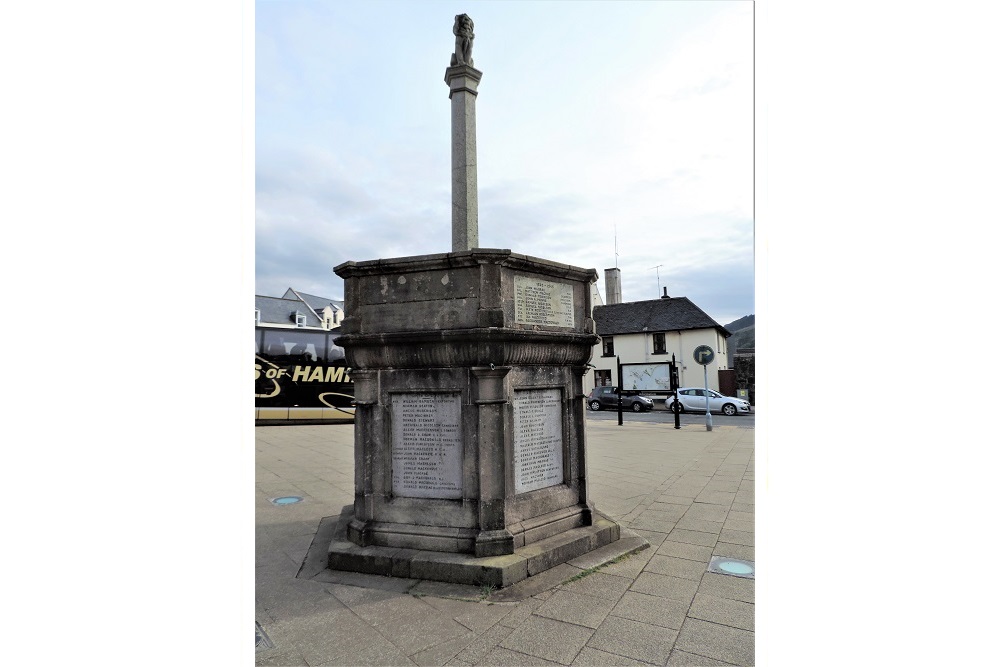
[594, 119]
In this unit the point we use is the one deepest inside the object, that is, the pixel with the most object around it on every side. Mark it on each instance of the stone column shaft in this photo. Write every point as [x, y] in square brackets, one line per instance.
[463, 82]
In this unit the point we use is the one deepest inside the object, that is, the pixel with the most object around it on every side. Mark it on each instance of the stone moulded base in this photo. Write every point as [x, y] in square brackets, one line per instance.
[494, 571]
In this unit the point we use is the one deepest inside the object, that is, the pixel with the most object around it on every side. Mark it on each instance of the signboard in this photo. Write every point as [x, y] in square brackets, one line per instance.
[646, 377]
[703, 355]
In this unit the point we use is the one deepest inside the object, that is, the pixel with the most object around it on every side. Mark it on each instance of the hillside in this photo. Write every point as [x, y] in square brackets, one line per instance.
[743, 333]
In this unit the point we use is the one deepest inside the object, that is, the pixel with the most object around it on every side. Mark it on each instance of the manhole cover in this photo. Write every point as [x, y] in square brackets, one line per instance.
[263, 641]
[287, 500]
[732, 566]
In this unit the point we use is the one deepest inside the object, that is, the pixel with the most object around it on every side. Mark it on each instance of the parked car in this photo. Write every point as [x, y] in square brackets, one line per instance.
[607, 397]
[693, 399]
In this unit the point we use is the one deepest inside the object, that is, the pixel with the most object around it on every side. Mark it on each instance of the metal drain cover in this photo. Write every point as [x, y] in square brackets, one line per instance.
[732, 567]
[263, 641]
[286, 500]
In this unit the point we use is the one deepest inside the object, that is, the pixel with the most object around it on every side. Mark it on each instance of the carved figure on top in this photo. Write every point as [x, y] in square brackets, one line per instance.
[463, 40]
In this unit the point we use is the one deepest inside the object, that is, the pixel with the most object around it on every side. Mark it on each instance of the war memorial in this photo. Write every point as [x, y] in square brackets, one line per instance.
[470, 450]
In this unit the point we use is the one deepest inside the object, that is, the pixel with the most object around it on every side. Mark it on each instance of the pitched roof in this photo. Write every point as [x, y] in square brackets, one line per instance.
[282, 311]
[673, 314]
[315, 302]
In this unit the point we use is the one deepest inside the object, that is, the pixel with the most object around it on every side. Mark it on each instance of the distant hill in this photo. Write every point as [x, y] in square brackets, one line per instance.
[743, 333]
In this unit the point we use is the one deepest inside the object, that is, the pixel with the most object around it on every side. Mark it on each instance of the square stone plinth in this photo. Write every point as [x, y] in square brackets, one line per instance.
[492, 571]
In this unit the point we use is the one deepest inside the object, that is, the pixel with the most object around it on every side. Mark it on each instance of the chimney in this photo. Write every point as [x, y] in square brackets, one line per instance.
[664, 293]
[613, 285]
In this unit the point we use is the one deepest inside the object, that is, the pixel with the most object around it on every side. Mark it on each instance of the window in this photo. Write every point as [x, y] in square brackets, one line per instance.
[300, 319]
[602, 378]
[659, 343]
[256, 318]
[609, 347]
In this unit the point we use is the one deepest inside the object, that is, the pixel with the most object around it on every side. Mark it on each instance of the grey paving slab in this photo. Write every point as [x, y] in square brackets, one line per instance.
[503, 656]
[717, 641]
[599, 585]
[723, 611]
[548, 639]
[677, 567]
[595, 658]
[684, 501]
[684, 659]
[707, 512]
[576, 608]
[630, 567]
[724, 586]
[693, 537]
[716, 498]
[482, 645]
[736, 537]
[443, 653]
[521, 612]
[477, 616]
[655, 538]
[651, 609]
[699, 525]
[739, 551]
[695, 552]
[738, 525]
[665, 586]
[634, 639]
[740, 515]
[275, 658]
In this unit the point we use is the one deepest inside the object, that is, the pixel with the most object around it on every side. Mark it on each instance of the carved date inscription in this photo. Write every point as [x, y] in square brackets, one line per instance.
[542, 302]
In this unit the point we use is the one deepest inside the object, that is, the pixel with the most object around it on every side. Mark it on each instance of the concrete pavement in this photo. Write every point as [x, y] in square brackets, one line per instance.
[689, 493]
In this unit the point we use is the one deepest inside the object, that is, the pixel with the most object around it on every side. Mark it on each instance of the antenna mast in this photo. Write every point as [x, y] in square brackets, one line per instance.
[657, 267]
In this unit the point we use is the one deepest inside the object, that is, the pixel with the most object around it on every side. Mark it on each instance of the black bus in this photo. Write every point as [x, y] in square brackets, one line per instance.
[301, 377]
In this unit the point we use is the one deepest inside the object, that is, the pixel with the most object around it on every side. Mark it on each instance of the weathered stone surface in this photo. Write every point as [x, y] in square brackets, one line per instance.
[469, 429]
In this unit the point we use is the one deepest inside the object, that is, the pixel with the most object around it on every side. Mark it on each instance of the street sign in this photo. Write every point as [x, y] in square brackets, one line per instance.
[703, 354]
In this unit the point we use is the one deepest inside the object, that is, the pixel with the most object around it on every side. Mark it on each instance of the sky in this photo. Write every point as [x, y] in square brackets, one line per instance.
[608, 134]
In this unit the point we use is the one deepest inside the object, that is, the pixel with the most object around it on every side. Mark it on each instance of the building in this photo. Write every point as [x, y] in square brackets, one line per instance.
[656, 331]
[296, 310]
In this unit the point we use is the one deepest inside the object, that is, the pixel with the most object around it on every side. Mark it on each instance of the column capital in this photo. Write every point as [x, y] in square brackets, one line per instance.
[462, 78]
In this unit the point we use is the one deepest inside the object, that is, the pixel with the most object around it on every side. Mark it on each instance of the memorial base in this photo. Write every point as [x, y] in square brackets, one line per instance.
[495, 571]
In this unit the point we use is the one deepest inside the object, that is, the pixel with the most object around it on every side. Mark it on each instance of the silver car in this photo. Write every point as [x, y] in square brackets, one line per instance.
[692, 399]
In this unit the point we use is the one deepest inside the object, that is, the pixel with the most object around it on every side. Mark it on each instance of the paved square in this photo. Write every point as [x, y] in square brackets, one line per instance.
[688, 492]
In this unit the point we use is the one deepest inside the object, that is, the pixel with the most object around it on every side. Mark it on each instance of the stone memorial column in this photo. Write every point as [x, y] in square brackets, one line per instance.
[463, 82]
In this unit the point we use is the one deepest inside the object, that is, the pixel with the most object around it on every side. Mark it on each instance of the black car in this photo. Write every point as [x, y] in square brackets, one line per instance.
[607, 397]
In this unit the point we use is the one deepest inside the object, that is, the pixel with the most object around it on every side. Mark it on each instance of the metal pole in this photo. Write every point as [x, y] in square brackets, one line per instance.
[677, 405]
[618, 360]
[708, 406]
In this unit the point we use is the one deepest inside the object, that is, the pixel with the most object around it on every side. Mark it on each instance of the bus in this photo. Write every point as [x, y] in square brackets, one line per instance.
[300, 376]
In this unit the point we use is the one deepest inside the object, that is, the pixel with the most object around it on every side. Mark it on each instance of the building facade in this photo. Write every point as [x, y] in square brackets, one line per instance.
[657, 331]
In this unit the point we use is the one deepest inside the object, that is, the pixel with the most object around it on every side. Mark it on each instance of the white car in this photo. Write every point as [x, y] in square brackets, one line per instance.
[692, 399]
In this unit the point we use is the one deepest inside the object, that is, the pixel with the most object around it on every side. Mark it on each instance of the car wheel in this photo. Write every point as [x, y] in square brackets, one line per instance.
[729, 409]
[637, 407]
[595, 405]
[676, 407]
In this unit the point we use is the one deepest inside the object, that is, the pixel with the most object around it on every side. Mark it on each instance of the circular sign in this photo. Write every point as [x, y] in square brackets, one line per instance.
[703, 354]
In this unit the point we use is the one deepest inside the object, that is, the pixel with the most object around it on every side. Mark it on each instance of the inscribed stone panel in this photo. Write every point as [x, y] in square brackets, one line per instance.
[542, 302]
[538, 439]
[426, 445]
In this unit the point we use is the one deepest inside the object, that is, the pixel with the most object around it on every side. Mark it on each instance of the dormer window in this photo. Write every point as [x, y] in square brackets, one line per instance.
[300, 319]
[256, 318]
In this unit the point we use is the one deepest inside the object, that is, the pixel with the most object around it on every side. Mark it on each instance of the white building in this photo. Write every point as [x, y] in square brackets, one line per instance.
[656, 331]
